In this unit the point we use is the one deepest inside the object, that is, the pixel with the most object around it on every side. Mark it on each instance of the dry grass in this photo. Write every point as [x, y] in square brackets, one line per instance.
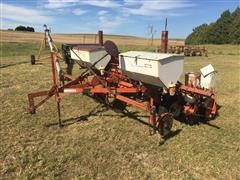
[109, 145]
[15, 36]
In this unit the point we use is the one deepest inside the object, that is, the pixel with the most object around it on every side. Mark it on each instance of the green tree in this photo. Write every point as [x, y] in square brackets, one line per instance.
[225, 30]
[199, 35]
[30, 29]
[220, 32]
[23, 28]
[20, 28]
[235, 30]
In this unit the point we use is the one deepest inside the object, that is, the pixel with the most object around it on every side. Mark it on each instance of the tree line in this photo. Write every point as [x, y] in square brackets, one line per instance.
[226, 30]
[23, 28]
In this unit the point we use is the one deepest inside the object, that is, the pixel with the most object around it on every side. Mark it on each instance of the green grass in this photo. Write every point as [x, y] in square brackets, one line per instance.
[123, 48]
[18, 49]
[109, 145]
[223, 49]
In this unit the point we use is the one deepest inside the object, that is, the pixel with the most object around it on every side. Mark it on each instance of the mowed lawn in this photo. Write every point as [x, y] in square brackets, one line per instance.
[109, 144]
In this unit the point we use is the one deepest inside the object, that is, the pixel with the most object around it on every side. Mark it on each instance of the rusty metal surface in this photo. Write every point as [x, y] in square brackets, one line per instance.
[189, 50]
[111, 48]
[116, 85]
[89, 48]
[100, 38]
[195, 90]
[164, 41]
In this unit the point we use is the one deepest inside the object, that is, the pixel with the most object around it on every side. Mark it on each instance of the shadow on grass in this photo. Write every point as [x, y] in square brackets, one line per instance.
[169, 136]
[199, 120]
[96, 111]
[70, 121]
[132, 115]
[9, 65]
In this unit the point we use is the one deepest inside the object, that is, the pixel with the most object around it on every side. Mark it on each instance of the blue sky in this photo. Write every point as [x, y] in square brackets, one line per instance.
[127, 17]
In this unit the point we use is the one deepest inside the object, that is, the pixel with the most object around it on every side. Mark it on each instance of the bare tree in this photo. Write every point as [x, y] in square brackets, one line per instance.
[151, 32]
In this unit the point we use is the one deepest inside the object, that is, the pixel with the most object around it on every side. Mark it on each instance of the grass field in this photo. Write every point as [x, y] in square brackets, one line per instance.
[29, 37]
[109, 145]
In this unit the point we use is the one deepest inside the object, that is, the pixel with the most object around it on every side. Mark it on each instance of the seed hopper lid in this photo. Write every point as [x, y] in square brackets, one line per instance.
[148, 55]
[206, 70]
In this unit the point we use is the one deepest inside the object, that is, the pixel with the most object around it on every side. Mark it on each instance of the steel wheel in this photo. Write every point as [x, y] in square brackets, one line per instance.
[164, 124]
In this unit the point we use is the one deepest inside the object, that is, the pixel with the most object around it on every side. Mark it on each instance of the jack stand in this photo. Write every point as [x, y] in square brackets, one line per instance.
[59, 115]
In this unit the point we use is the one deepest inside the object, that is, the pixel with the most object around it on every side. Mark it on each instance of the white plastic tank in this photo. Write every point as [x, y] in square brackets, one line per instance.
[156, 69]
[208, 77]
[91, 54]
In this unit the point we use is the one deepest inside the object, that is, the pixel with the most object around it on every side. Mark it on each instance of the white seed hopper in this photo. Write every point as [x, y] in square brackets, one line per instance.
[208, 77]
[90, 54]
[152, 68]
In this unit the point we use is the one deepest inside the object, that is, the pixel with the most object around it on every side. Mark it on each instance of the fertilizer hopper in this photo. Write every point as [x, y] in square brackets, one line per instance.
[90, 54]
[156, 69]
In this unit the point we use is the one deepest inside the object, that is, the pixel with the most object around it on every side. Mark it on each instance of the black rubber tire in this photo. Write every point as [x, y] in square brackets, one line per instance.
[33, 60]
[167, 121]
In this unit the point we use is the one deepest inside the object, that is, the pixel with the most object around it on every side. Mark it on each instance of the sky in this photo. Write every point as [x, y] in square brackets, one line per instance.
[123, 17]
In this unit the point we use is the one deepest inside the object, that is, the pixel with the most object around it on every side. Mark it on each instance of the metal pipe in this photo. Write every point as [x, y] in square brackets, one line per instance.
[164, 41]
[100, 37]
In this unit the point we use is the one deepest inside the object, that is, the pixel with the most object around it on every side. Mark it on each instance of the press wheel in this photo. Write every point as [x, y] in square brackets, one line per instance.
[165, 124]
[164, 121]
